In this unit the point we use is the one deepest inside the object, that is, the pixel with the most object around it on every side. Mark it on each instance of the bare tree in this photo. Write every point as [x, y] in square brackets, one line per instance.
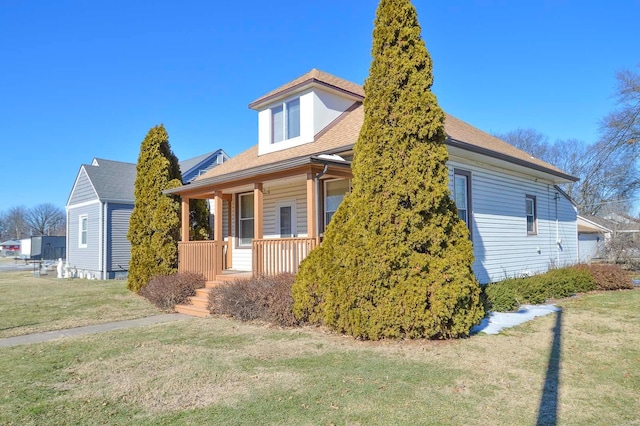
[622, 126]
[4, 231]
[45, 219]
[16, 222]
[530, 141]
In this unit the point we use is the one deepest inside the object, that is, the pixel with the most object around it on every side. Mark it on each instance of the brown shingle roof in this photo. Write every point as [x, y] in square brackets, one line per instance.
[343, 132]
[313, 76]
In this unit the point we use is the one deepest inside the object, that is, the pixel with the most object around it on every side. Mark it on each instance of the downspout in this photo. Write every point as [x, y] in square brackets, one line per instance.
[66, 254]
[558, 241]
[100, 237]
[317, 183]
[104, 241]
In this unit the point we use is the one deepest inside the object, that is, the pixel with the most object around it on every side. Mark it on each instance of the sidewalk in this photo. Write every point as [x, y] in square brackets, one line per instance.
[492, 324]
[90, 329]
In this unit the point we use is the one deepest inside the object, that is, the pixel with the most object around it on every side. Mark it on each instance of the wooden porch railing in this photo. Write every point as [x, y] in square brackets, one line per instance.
[273, 256]
[201, 257]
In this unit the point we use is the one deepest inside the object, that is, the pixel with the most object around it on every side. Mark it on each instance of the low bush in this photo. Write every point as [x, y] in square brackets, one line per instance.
[266, 298]
[507, 295]
[167, 291]
[608, 277]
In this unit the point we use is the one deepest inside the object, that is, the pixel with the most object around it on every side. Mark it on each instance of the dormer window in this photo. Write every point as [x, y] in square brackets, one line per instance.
[285, 121]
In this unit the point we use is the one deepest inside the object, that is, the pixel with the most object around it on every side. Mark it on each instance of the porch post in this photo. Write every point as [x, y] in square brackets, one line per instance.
[185, 219]
[217, 230]
[312, 214]
[258, 219]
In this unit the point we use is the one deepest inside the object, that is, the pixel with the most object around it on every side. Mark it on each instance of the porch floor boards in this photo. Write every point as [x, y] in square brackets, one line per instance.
[198, 305]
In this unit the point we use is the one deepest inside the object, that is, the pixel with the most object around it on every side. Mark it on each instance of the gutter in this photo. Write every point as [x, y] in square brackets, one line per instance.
[493, 154]
[263, 169]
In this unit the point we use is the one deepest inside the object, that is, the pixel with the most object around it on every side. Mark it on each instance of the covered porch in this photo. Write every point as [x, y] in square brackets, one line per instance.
[264, 223]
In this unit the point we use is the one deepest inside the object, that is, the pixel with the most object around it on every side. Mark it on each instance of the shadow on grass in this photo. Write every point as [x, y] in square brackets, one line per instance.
[548, 409]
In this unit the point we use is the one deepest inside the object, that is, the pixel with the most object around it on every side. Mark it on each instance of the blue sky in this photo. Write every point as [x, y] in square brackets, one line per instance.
[85, 79]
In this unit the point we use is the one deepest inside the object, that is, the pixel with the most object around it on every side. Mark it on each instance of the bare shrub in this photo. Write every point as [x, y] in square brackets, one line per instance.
[266, 298]
[608, 277]
[167, 291]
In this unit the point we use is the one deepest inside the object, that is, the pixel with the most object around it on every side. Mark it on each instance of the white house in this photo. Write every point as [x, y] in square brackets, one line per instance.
[274, 200]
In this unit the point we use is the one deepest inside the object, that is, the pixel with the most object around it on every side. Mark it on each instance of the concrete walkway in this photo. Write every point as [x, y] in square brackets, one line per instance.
[90, 329]
[492, 324]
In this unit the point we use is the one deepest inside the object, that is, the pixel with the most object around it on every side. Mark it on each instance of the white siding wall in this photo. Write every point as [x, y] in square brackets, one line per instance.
[502, 247]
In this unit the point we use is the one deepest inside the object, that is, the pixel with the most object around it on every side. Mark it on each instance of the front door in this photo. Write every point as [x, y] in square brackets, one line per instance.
[286, 219]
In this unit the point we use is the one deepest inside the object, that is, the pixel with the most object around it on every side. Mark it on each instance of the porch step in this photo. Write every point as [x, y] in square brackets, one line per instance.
[195, 311]
[212, 284]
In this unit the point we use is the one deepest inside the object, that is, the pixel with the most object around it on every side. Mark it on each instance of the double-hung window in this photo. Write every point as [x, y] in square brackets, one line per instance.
[462, 195]
[532, 227]
[334, 191]
[285, 121]
[245, 219]
[83, 230]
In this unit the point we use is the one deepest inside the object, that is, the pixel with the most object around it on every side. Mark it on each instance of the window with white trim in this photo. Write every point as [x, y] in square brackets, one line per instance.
[245, 219]
[285, 121]
[334, 192]
[83, 230]
[462, 195]
[531, 214]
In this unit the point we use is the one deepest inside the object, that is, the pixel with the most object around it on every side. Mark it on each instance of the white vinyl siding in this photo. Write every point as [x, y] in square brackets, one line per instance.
[502, 247]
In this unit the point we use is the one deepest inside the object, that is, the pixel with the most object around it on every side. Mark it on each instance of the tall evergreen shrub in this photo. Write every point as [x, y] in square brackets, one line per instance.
[154, 227]
[396, 260]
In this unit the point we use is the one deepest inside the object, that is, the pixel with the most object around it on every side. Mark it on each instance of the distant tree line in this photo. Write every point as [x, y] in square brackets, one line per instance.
[21, 222]
[608, 168]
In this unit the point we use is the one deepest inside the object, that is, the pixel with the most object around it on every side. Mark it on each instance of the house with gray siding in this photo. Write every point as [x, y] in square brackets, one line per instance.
[275, 200]
[98, 212]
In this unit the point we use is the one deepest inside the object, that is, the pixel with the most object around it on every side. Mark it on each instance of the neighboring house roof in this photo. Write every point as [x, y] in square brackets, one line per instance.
[591, 224]
[343, 133]
[10, 243]
[608, 225]
[193, 167]
[112, 180]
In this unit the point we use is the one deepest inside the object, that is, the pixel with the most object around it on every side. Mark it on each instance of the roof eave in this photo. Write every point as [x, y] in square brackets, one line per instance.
[311, 82]
[504, 157]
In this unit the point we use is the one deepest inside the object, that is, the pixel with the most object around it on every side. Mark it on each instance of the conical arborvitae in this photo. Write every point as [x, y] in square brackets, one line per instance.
[396, 261]
[154, 227]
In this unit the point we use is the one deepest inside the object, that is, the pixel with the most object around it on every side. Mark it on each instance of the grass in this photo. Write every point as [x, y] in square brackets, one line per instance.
[220, 371]
[35, 304]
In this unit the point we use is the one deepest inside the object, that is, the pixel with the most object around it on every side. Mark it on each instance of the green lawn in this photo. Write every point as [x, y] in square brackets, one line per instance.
[219, 371]
[31, 304]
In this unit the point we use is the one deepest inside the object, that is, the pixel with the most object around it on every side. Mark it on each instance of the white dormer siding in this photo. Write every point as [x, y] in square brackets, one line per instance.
[317, 109]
